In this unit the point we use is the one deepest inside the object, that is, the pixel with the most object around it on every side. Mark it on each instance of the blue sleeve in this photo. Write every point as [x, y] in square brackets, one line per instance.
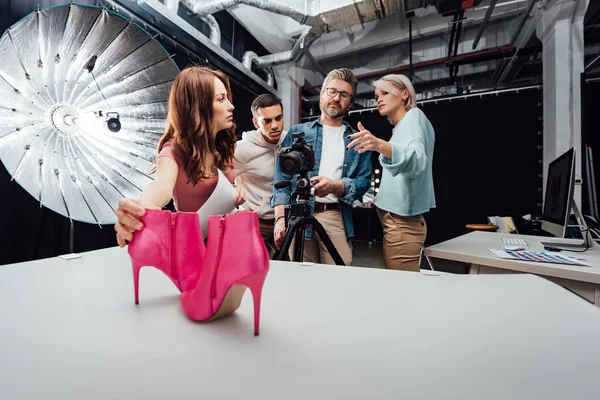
[356, 186]
[282, 196]
[410, 159]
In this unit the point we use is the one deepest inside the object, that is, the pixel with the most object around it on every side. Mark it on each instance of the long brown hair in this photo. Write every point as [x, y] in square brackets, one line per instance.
[190, 121]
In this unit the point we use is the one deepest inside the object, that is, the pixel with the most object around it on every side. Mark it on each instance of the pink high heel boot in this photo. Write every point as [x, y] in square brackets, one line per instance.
[171, 242]
[236, 259]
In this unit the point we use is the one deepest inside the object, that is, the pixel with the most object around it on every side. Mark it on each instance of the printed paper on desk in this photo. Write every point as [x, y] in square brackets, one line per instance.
[221, 201]
[539, 256]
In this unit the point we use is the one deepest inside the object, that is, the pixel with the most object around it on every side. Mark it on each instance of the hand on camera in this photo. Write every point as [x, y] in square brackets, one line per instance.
[324, 185]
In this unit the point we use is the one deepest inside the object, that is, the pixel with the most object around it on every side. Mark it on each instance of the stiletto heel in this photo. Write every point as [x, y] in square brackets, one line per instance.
[236, 259]
[136, 265]
[170, 242]
[255, 284]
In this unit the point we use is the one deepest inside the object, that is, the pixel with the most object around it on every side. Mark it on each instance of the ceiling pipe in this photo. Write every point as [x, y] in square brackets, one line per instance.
[209, 20]
[270, 77]
[203, 10]
[205, 7]
[215, 30]
[172, 5]
[192, 41]
[251, 58]
[333, 20]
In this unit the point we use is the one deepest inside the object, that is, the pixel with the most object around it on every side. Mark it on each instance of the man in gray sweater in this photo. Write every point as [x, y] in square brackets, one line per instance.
[254, 161]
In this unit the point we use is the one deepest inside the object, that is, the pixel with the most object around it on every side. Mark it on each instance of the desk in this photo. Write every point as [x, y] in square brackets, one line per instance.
[473, 248]
[70, 330]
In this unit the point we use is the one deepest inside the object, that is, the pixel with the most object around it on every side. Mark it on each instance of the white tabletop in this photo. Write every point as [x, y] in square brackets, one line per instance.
[474, 248]
[70, 330]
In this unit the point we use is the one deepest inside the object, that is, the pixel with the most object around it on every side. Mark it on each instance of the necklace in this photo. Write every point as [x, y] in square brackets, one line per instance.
[212, 173]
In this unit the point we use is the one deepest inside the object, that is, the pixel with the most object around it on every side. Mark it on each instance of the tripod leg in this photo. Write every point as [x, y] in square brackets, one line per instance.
[299, 245]
[327, 242]
[287, 240]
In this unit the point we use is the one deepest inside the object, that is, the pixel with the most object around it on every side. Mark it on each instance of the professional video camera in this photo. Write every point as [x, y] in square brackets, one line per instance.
[299, 159]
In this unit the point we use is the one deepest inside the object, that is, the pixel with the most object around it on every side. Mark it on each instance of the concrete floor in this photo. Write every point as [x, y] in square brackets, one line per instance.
[367, 255]
[370, 255]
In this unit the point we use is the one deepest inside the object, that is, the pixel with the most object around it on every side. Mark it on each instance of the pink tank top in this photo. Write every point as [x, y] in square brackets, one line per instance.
[187, 196]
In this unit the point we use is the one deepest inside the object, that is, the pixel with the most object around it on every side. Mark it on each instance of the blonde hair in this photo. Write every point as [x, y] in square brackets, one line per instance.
[343, 74]
[394, 84]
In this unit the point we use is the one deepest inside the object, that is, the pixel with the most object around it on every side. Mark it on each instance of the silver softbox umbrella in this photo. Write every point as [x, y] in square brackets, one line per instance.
[83, 101]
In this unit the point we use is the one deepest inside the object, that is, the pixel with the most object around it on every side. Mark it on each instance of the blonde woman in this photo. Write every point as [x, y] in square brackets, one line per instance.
[406, 190]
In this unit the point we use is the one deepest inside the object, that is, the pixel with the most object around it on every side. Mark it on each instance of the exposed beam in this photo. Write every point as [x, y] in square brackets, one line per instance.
[462, 59]
[486, 19]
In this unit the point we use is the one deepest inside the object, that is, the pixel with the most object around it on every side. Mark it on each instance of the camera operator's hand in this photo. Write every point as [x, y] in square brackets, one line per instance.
[279, 232]
[326, 186]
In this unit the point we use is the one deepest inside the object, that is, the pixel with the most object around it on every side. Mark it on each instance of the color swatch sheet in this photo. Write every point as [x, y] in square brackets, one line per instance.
[539, 256]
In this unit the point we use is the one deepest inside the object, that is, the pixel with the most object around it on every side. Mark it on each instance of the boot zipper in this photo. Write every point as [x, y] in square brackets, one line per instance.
[174, 272]
[213, 285]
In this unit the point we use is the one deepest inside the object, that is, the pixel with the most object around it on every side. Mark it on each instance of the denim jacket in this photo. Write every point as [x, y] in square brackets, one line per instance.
[356, 172]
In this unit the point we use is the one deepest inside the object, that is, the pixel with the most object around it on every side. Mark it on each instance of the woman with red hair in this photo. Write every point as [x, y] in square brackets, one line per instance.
[199, 141]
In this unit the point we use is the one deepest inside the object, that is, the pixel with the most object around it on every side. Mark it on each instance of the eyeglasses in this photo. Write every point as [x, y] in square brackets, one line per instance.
[331, 92]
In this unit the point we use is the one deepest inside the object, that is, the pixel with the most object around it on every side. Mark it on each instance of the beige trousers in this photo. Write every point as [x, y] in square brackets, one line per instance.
[403, 238]
[314, 249]
[267, 226]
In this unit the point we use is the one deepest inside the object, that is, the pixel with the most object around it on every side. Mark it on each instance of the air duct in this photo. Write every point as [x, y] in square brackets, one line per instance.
[215, 30]
[167, 13]
[306, 39]
[270, 77]
[174, 22]
[205, 7]
[358, 13]
[333, 20]
[172, 5]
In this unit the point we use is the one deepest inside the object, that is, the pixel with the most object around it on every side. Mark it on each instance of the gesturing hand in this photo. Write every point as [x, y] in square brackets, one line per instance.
[364, 141]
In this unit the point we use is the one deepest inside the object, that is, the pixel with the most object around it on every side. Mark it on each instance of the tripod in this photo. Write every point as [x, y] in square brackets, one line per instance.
[299, 218]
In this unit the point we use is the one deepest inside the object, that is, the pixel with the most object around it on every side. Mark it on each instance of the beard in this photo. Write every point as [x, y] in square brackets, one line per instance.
[333, 108]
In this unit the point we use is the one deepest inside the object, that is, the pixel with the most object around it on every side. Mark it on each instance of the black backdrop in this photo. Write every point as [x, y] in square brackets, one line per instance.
[590, 130]
[486, 158]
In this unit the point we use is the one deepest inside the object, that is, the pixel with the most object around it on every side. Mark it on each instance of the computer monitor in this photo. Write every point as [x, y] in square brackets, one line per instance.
[560, 184]
[559, 202]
